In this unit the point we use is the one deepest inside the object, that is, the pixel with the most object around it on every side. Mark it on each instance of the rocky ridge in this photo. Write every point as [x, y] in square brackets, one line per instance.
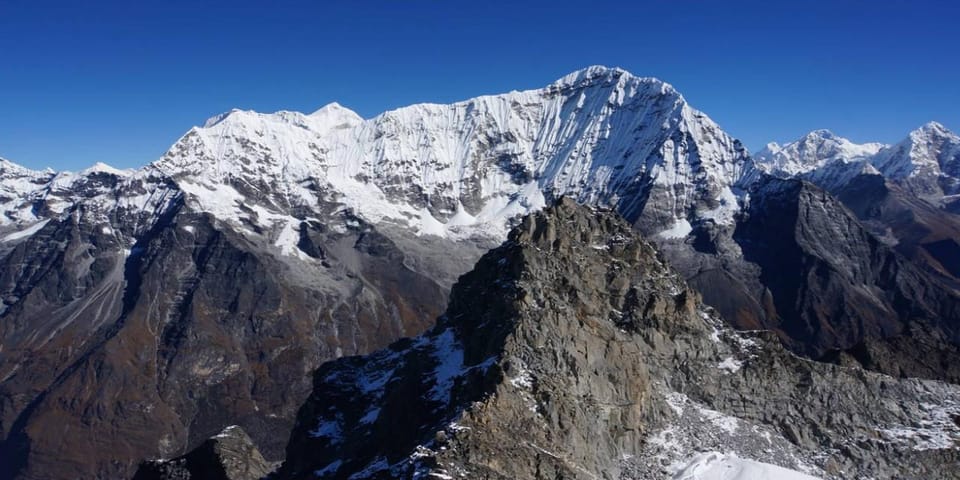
[573, 351]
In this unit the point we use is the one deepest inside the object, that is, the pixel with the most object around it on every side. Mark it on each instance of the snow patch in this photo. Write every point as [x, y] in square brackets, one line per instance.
[720, 466]
[329, 429]
[371, 416]
[730, 364]
[449, 356]
[27, 232]
[680, 229]
[330, 469]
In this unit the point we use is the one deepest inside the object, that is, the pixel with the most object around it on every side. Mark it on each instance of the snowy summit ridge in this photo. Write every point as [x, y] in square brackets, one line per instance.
[927, 162]
[812, 151]
[468, 168]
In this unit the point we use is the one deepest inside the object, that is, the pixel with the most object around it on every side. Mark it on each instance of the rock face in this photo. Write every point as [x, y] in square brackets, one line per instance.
[573, 351]
[230, 455]
[927, 162]
[156, 350]
[849, 291]
[901, 193]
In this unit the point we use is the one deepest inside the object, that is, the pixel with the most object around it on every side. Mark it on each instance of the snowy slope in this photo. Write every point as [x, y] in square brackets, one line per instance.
[17, 184]
[814, 150]
[821, 157]
[123, 200]
[719, 466]
[468, 168]
[460, 170]
[928, 160]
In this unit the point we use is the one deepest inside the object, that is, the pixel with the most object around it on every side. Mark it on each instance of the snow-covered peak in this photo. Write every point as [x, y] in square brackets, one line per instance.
[9, 169]
[18, 185]
[599, 74]
[210, 122]
[469, 168]
[587, 75]
[934, 128]
[101, 167]
[813, 151]
[333, 116]
[930, 151]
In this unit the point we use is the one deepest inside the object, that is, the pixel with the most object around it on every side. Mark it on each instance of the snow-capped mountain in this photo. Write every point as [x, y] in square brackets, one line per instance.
[327, 233]
[600, 134]
[928, 161]
[813, 151]
[197, 291]
[460, 170]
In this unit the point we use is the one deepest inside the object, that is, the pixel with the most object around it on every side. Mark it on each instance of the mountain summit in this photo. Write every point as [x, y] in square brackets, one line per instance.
[812, 151]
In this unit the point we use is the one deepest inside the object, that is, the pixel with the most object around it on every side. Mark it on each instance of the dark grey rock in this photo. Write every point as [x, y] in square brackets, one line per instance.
[230, 455]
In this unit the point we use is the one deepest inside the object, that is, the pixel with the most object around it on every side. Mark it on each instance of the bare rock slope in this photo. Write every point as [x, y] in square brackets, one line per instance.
[574, 351]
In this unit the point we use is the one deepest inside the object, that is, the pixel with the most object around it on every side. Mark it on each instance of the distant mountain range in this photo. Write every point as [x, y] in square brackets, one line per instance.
[145, 310]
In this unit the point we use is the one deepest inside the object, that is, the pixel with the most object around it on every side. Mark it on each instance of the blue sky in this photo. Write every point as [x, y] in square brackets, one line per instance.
[119, 82]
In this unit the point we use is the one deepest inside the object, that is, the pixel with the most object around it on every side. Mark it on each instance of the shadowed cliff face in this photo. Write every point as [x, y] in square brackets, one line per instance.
[836, 287]
[146, 353]
[573, 351]
[919, 230]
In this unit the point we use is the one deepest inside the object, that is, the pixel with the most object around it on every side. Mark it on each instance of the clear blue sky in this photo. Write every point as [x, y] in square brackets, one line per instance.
[120, 81]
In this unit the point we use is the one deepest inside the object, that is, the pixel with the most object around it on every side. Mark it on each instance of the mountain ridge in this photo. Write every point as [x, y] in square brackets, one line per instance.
[263, 245]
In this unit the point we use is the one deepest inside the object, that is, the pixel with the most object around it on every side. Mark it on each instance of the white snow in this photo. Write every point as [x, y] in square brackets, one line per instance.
[377, 465]
[928, 150]
[727, 207]
[449, 357]
[720, 466]
[681, 228]
[226, 431]
[26, 232]
[460, 170]
[522, 378]
[329, 429]
[101, 167]
[371, 416]
[330, 469]
[813, 151]
[730, 364]
[935, 430]
[429, 225]
[576, 136]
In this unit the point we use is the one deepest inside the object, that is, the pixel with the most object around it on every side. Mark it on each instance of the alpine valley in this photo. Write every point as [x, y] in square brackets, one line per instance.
[587, 280]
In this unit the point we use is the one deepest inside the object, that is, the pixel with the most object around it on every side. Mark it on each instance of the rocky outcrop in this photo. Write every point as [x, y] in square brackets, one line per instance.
[573, 351]
[834, 286]
[230, 455]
